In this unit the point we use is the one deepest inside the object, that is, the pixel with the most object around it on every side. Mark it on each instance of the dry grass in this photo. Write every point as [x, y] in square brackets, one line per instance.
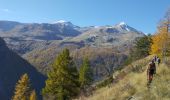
[133, 85]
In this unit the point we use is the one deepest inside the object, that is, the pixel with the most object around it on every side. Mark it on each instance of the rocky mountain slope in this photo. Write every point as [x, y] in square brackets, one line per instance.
[109, 35]
[25, 37]
[36, 31]
[12, 67]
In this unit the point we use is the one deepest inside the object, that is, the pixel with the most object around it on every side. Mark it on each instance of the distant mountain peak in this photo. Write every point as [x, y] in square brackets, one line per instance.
[65, 23]
[122, 23]
[61, 21]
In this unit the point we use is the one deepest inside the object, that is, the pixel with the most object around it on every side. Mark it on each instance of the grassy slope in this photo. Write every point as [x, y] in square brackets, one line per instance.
[132, 84]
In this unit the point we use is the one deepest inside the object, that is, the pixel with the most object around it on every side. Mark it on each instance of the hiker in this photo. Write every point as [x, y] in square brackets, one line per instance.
[151, 71]
[155, 58]
[158, 60]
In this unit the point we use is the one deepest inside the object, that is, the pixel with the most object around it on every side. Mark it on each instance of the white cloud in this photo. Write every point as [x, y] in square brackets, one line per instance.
[5, 10]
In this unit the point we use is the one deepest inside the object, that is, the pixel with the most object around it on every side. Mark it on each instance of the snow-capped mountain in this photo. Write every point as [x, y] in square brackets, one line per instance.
[65, 23]
[24, 37]
[37, 32]
[60, 21]
[125, 27]
[109, 35]
[56, 31]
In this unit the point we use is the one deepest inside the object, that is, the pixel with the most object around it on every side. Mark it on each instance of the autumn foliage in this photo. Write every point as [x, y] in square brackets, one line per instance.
[161, 41]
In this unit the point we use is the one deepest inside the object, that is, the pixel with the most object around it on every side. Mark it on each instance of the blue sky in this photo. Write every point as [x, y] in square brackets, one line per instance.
[140, 14]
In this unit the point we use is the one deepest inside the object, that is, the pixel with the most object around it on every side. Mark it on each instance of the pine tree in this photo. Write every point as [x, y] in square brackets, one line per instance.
[141, 49]
[22, 89]
[33, 95]
[85, 74]
[62, 82]
[143, 46]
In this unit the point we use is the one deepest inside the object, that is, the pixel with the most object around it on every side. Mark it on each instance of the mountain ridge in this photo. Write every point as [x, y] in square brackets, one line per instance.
[36, 35]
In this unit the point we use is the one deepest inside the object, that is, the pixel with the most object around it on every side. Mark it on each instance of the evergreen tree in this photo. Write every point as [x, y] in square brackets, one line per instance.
[85, 74]
[141, 49]
[143, 46]
[62, 82]
[22, 89]
[33, 95]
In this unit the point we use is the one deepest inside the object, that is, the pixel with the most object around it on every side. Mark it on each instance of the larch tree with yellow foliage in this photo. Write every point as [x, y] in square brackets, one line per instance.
[22, 89]
[33, 95]
[161, 40]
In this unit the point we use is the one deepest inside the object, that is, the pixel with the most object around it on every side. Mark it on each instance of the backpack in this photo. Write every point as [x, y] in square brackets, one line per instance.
[158, 60]
[152, 68]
